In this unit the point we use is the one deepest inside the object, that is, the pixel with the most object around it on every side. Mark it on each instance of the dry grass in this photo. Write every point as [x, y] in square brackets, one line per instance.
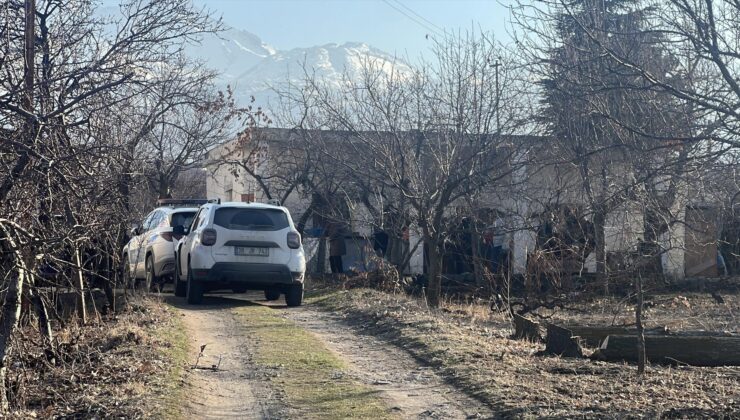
[116, 367]
[675, 311]
[470, 345]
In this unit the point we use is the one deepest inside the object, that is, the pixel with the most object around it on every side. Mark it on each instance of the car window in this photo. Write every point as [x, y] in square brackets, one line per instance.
[184, 218]
[156, 220]
[148, 221]
[162, 220]
[195, 221]
[236, 218]
[202, 218]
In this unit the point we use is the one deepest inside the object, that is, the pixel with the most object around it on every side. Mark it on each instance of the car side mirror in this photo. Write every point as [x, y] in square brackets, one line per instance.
[136, 230]
[179, 230]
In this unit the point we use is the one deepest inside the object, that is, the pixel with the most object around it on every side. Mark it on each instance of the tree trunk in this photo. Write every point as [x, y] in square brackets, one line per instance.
[478, 270]
[301, 225]
[600, 243]
[11, 310]
[321, 256]
[82, 310]
[43, 319]
[11, 315]
[163, 187]
[434, 291]
[110, 280]
[640, 330]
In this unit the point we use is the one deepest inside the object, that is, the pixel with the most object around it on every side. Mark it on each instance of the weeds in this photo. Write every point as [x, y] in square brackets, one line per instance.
[116, 366]
[469, 344]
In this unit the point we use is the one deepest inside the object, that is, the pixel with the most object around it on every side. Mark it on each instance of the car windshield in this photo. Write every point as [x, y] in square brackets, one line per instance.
[184, 218]
[251, 219]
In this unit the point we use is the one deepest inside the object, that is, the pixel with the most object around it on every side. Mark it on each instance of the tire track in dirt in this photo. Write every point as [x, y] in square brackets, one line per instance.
[412, 390]
[235, 389]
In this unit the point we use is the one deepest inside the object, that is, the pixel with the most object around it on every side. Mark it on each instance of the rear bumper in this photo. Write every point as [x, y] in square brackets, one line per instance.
[258, 274]
[164, 266]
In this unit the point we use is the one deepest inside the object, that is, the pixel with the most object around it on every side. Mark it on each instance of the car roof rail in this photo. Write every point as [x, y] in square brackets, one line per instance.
[181, 202]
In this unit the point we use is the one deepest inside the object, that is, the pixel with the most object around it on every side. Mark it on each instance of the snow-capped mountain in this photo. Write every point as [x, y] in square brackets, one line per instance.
[327, 62]
[253, 68]
[231, 52]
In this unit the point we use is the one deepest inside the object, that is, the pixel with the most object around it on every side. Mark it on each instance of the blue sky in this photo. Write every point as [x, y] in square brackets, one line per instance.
[396, 26]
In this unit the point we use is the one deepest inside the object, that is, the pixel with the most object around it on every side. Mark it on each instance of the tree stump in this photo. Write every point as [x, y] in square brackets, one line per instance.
[526, 329]
[561, 342]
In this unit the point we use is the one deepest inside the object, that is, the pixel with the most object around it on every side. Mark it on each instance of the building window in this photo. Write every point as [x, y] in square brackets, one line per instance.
[247, 198]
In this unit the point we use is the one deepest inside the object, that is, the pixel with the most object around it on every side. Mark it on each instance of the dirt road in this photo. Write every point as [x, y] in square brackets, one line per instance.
[245, 386]
[223, 385]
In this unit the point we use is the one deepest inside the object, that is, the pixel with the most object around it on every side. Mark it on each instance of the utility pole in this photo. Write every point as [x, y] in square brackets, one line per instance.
[28, 67]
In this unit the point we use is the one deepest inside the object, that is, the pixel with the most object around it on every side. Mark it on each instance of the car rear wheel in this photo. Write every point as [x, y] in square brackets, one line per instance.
[272, 294]
[194, 289]
[181, 287]
[294, 295]
[128, 279]
[152, 282]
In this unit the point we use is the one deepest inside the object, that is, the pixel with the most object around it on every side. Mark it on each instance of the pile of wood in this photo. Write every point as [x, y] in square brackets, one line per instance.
[616, 343]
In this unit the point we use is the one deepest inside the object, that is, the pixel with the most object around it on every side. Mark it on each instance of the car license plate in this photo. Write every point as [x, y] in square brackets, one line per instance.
[252, 251]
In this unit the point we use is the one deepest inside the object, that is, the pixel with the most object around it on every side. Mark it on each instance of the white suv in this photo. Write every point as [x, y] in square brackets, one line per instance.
[241, 247]
[150, 254]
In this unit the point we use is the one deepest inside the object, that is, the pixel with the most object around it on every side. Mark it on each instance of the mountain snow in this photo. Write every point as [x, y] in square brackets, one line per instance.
[230, 52]
[253, 68]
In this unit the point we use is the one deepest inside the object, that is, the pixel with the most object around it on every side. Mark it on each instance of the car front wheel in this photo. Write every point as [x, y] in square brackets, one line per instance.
[194, 289]
[294, 295]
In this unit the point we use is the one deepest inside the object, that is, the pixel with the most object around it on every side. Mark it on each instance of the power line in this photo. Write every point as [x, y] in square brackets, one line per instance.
[415, 20]
[419, 16]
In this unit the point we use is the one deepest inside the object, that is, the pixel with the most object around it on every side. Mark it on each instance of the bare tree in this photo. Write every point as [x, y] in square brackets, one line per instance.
[185, 116]
[630, 141]
[423, 138]
[65, 72]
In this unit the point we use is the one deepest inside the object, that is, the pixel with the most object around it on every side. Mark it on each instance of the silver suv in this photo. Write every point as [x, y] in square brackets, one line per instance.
[241, 247]
[149, 256]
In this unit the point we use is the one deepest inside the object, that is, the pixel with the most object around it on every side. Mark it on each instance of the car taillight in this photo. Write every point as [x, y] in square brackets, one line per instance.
[208, 237]
[294, 240]
[168, 236]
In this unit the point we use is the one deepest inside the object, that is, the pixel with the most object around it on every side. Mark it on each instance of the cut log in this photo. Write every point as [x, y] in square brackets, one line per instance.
[526, 329]
[560, 341]
[691, 350]
[593, 336]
